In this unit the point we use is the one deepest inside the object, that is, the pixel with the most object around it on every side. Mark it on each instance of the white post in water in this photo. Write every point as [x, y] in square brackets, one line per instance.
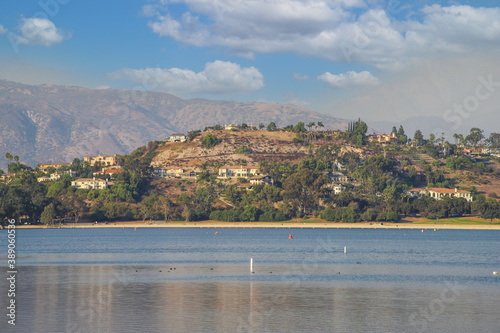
[345, 249]
[251, 265]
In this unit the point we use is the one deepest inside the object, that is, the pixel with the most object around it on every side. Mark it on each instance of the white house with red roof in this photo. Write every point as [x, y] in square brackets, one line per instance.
[439, 193]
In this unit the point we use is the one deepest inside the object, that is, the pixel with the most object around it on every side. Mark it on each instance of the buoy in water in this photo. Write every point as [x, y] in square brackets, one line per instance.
[216, 233]
[290, 237]
[495, 273]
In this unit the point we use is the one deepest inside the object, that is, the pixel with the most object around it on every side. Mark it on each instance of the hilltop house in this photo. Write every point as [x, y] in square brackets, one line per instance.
[384, 139]
[238, 171]
[90, 183]
[177, 137]
[102, 159]
[439, 193]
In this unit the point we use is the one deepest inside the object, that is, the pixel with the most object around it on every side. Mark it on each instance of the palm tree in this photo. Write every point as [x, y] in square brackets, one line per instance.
[311, 124]
[9, 157]
[320, 124]
[16, 158]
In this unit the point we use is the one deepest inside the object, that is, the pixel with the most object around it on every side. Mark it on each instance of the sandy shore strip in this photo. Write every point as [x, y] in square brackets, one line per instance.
[300, 224]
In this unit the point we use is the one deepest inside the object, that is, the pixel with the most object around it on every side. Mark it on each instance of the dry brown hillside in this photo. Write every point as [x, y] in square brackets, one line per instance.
[264, 145]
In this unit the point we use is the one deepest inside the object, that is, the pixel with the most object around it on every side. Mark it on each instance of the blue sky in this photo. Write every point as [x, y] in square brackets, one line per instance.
[376, 59]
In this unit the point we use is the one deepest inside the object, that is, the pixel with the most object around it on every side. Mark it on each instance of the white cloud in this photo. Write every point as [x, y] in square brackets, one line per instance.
[439, 88]
[331, 29]
[3, 30]
[350, 79]
[296, 100]
[300, 77]
[218, 77]
[39, 31]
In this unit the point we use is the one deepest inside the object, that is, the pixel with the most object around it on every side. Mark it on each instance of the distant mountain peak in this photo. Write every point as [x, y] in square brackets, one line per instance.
[51, 123]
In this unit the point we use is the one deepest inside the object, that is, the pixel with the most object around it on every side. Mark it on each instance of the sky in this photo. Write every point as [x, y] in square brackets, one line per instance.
[374, 59]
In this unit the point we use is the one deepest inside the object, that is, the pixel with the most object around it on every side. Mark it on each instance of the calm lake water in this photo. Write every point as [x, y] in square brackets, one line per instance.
[191, 280]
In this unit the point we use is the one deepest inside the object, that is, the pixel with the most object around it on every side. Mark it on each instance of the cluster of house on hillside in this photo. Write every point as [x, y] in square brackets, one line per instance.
[108, 163]
[56, 171]
[56, 176]
[476, 152]
[252, 173]
[392, 139]
[110, 167]
[6, 177]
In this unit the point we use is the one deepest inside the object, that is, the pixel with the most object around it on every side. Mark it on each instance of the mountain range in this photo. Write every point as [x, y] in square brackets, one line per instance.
[49, 123]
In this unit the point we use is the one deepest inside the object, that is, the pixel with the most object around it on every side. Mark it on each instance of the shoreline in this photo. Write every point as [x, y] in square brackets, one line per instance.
[293, 224]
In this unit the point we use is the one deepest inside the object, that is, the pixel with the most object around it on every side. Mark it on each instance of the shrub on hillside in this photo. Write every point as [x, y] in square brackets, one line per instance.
[243, 150]
[210, 140]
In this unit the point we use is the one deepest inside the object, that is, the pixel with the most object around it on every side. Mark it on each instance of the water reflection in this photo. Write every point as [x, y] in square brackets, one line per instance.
[120, 298]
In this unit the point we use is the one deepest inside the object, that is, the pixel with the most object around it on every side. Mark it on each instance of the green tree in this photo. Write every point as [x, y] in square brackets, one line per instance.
[494, 140]
[299, 127]
[16, 158]
[369, 215]
[261, 126]
[55, 189]
[210, 140]
[303, 190]
[250, 213]
[401, 131]
[418, 136]
[320, 124]
[243, 150]
[311, 125]
[167, 207]
[49, 214]
[74, 204]
[77, 165]
[9, 157]
[451, 163]
[272, 126]
[475, 136]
